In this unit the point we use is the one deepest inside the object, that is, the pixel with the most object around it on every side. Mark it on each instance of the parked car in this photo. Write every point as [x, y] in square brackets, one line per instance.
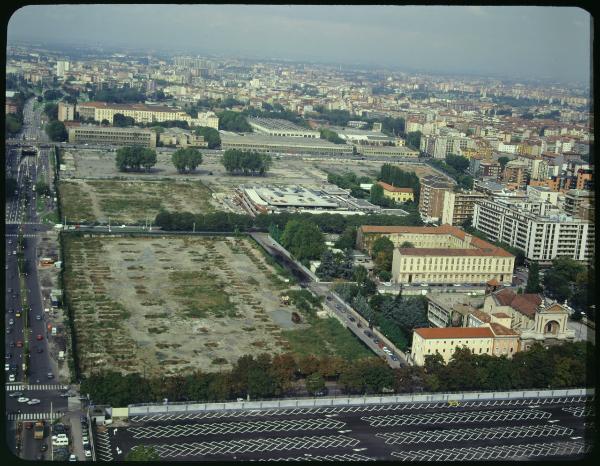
[368, 334]
[351, 319]
[87, 453]
[72, 458]
[29, 425]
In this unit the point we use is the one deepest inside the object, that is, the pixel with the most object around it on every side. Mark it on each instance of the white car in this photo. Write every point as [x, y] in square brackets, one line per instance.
[33, 401]
[7, 367]
[11, 378]
[23, 399]
[88, 453]
[85, 440]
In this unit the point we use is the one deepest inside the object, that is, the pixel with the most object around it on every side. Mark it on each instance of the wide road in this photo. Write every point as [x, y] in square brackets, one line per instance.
[478, 430]
[40, 380]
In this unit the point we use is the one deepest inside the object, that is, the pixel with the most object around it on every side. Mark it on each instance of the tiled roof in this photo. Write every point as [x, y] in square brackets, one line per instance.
[394, 189]
[454, 332]
[141, 107]
[501, 330]
[526, 303]
[482, 316]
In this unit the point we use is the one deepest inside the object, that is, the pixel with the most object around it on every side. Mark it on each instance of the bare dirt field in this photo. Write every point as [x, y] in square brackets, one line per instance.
[130, 201]
[170, 304]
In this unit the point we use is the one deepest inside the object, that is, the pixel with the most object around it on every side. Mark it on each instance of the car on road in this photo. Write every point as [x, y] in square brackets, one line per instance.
[351, 319]
[39, 350]
[368, 334]
[87, 453]
[34, 401]
[50, 375]
[11, 344]
[19, 344]
[23, 399]
[15, 394]
[29, 425]
[7, 367]
[38, 317]
[11, 321]
[39, 337]
[376, 341]
[8, 356]
[64, 395]
[72, 458]
[9, 330]
[393, 357]
[85, 440]
[44, 447]
[11, 378]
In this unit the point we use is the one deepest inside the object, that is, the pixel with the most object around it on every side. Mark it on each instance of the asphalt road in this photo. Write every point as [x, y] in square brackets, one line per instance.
[363, 432]
[21, 215]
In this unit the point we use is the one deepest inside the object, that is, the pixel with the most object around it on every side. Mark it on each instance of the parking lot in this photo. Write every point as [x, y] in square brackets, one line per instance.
[495, 429]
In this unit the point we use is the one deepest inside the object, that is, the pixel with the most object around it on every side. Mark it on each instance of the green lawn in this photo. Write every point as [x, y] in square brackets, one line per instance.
[326, 337]
[201, 295]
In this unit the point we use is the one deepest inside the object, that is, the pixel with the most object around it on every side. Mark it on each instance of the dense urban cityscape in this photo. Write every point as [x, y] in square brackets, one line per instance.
[211, 258]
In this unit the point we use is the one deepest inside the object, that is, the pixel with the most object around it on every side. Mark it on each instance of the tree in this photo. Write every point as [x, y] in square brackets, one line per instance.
[122, 121]
[407, 244]
[314, 383]
[385, 276]
[503, 161]
[533, 279]
[142, 453]
[376, 194]
[51, 111]
[10, 186]
[331, 136]
[135, 157]
[234, 121]
[303, 240]
[42, 188]
[245, 162]
[560, 278]
[56, 131]
[382, 252]
[105, 122]
[210, 135]
[186, 159]
[347, 239]
[13, 123]
[413, 139]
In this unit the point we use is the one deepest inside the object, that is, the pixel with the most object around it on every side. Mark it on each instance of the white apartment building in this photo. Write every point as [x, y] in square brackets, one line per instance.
[540, 229]
[439, 147]
[62, 66]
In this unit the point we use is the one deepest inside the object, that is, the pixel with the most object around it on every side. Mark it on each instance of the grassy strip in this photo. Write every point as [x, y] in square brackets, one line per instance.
[326, 337]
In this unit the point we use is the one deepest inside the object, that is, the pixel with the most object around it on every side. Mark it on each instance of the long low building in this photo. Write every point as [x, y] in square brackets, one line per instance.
[441, 255]
[389, 151]
[282, 145]
[87, 134]
[142, 113]
[280, 127]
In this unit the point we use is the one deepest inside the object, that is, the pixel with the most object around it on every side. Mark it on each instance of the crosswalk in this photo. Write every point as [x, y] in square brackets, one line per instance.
[35, 387]
[25, 223]
[27, 235]
[34, 416]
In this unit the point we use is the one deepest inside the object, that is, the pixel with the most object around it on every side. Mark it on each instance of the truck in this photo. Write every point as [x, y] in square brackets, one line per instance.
[38, 430]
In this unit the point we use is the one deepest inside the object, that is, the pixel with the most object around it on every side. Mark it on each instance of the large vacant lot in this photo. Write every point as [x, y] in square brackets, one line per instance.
[130, 201]
[170, 304]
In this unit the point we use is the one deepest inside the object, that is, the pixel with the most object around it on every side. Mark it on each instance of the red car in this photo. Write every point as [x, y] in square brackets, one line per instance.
[39, 337]
[19, 344]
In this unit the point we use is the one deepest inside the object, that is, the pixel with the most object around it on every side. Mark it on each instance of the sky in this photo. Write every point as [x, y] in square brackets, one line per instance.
[512, 41]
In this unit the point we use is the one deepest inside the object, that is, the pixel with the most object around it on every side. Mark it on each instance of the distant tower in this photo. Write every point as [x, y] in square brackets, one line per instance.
[62, 66]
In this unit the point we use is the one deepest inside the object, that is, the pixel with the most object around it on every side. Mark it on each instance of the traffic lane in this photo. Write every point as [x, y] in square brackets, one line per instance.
[363, 424]
[49, 399]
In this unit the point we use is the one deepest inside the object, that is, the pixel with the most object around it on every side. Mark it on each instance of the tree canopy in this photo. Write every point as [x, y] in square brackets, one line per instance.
[210, 135]
[134, 158]
[560, 279]
[246, 162]
[233, 121]
[331, 136]
[122, 121]
[56, 131]
[186, 159]
[304, 240]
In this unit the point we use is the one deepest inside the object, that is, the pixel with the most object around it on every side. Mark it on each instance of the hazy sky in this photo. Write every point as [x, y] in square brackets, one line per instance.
[531, 42]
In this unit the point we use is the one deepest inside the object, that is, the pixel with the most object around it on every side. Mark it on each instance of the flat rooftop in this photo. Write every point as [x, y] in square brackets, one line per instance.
[278, 141]
[275, 124]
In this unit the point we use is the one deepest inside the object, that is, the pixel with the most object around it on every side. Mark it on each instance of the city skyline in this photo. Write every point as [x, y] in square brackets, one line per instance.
[555, 45]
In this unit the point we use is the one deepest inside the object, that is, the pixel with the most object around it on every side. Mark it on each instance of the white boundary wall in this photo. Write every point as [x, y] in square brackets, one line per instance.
[356, 401]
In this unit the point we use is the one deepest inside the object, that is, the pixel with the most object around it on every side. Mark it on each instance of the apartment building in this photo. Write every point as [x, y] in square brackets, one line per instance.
[515, 173]
[458, 206]
[431, 199]
[440, 146]
[142, 113]
[444, 255]
[579, 203]
[66, 112]
[540, 229]
[492, 339]
[87, 134]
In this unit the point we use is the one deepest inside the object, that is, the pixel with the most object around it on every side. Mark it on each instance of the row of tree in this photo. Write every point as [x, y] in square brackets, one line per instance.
[394, 175]
[327, 223]
[349, 180]
[234, 121]
[135, 158]
[464, 181]
[331, 136]
[263, 376]
[246, 162]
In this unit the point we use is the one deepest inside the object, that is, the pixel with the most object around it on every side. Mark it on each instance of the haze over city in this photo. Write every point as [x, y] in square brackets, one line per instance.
[551, 43]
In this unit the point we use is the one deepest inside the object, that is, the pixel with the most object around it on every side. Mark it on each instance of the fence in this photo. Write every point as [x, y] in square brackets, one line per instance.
[137, 410]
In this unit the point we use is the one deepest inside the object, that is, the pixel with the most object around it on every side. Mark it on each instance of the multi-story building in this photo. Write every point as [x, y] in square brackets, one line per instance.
[397, 194]
[10, 106]
[62, 66]
[279, 127]
[458, 206]
[66, 112]
[180, 137]
[492, 339]
[431, 198]
[515, 172]
[142, 113]
[540, 229]
[451, 309]
[444, 255]
[87, 134]
[579, 203]
[584, 179]
[391, 151]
